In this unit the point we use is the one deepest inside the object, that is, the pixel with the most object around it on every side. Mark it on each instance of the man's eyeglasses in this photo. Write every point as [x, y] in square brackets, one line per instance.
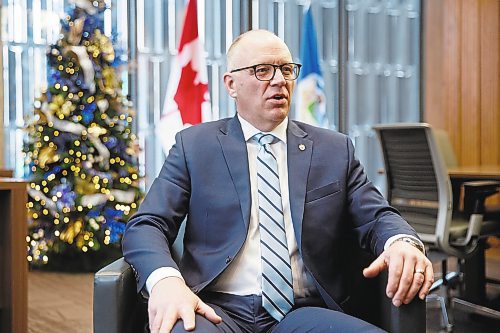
[266, 72]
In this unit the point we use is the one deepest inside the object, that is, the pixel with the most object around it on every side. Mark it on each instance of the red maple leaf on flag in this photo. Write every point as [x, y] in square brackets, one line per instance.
[190, 95]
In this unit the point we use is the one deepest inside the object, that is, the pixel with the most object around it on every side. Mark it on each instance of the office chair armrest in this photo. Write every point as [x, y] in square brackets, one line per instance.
[117, 306]
[475, 194]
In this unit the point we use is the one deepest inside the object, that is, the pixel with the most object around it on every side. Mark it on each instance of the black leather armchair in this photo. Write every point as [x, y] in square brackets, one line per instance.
[118, 308]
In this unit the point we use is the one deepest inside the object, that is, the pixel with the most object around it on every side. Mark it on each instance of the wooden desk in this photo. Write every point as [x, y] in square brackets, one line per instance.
[6, 173]
[490, 172]
[459, 175]
[13, 263]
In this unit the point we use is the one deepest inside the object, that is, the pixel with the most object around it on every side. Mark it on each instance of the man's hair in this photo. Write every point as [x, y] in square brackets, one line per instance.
[237, 40]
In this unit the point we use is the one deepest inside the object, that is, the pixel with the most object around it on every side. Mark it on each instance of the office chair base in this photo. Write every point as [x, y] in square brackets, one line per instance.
[474, 308]
[450, 280]
[446, 326]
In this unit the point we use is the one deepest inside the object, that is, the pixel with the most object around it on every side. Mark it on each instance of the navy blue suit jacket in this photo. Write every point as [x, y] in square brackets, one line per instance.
[206, 177]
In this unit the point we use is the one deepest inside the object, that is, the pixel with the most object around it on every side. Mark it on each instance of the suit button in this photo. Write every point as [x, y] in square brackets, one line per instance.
[228, 260]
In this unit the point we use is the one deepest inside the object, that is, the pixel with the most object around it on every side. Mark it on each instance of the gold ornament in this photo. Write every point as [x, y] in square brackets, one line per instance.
[105, 45]
[58, 100]
[71, 232]
[42, 118]
[56, 104]
[75, 31]
[54, 108]
[47, 155]
[66, 108]
[84, 187]
[133, 149]
[110, 82]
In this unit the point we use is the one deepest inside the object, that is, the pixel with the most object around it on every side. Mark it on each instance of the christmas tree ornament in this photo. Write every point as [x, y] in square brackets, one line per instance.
[47, 155]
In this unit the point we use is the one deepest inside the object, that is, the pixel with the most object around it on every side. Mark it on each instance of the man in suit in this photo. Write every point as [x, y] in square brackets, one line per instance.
[220, 175]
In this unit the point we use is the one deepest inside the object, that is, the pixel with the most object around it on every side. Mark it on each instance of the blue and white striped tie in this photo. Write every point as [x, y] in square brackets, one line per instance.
[277, 288]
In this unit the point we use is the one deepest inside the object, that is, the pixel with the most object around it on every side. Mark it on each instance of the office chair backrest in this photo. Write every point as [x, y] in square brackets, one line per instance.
[417, 180]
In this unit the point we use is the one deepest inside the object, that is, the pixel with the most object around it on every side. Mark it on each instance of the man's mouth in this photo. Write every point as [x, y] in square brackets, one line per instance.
[278, 97]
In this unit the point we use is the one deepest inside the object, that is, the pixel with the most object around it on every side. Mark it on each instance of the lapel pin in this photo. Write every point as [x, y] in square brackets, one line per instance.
[302, 147]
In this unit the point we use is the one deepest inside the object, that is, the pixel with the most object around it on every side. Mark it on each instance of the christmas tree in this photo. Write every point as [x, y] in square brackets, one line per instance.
[80, 152]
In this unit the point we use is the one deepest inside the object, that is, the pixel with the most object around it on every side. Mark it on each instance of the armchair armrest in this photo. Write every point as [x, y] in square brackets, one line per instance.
[117, 306]
[408, 318]
[368, 301]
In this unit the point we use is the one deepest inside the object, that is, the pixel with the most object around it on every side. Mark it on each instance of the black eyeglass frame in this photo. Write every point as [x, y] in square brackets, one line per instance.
[254, 67]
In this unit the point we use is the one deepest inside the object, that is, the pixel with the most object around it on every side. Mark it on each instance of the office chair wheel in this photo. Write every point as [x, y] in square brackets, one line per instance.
[447, 329]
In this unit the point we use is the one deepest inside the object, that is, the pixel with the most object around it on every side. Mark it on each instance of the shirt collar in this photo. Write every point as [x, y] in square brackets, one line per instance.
[249, 130]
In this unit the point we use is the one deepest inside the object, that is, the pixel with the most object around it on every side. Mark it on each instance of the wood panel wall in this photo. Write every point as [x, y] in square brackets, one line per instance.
[461, 78]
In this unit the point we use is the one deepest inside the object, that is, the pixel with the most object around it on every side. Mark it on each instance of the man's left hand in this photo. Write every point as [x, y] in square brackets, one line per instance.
[410, 272]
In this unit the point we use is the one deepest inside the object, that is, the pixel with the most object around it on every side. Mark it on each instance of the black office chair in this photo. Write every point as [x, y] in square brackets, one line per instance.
[118, 308]
[418, 186]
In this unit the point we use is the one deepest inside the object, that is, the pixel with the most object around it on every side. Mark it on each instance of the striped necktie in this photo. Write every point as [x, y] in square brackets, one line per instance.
[277, 288]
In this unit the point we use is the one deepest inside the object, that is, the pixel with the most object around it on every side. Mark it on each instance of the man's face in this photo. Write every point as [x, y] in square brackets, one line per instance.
[264, 104]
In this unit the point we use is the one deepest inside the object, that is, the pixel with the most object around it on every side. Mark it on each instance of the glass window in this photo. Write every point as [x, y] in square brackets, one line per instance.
[380, 41]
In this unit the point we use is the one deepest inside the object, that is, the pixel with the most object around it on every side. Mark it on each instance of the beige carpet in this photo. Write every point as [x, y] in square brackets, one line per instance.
[59, 302]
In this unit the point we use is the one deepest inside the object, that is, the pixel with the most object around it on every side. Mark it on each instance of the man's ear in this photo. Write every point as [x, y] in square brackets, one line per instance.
[229, 83]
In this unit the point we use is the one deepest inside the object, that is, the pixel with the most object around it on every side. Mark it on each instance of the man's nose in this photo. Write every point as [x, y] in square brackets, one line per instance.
[278, 77]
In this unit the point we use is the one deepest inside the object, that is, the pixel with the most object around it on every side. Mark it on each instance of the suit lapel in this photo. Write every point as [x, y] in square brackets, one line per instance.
[235, 153]
[299, 152]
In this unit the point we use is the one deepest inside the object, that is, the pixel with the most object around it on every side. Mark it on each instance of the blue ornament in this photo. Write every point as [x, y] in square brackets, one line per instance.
[67, 198]
[95, 212]
[111, 143]
[54, 171]
[112, 214]
[88, 113]
[116, 230]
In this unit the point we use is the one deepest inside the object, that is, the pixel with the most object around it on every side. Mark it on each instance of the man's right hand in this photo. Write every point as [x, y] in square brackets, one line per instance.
[171, 300]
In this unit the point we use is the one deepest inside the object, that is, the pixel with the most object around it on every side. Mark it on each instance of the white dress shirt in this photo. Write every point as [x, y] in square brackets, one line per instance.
[243, 276]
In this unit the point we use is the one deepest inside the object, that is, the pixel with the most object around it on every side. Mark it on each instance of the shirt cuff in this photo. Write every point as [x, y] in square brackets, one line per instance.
[160, 274]
[396, 237]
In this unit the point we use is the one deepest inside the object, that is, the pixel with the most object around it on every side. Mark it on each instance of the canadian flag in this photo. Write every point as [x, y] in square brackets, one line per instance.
[187, 101]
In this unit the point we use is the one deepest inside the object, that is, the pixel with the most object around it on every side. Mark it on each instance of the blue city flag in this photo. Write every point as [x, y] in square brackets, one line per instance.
[311, 100]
